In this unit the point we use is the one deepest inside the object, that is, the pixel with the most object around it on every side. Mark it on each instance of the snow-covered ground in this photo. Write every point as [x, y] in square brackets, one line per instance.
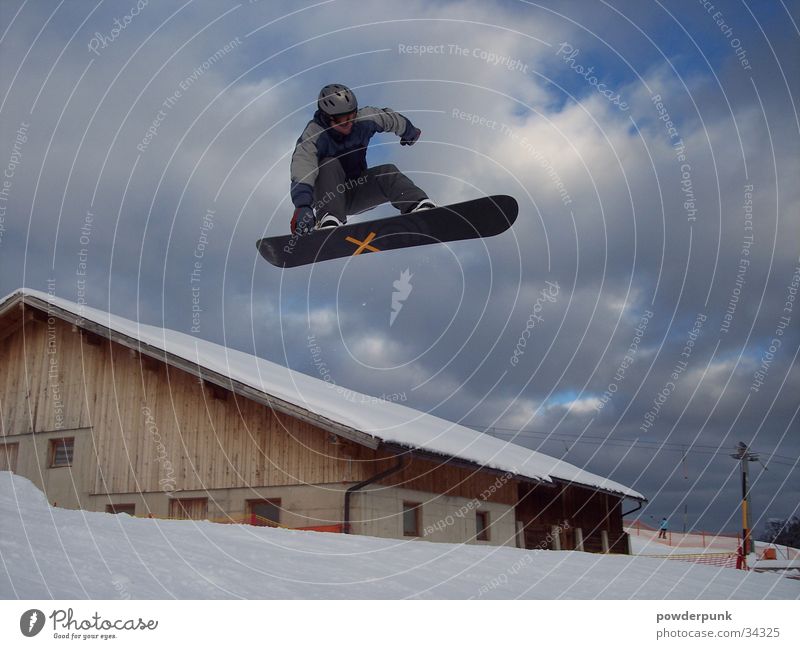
[66, 554]
[645, 541]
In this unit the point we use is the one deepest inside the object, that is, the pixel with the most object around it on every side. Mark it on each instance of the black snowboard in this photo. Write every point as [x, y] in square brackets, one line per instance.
[482, 217]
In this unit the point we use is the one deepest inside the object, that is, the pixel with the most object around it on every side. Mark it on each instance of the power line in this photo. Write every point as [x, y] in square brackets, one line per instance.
[703, 449]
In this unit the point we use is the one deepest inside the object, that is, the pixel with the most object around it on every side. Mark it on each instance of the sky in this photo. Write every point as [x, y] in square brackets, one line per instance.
[653, 147]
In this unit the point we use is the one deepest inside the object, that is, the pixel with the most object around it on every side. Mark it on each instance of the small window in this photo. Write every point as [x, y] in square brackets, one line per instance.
[189, 508]
[8, 456]
[411, 516]
[482, 526]
[265, 512]
[115, 508]
[61, 451]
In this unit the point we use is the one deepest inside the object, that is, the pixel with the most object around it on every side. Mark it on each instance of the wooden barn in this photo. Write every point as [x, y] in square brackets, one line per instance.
[106, 414]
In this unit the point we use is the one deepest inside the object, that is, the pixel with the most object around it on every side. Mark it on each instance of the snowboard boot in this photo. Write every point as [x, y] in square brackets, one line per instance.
[328, 222]
[424, 204]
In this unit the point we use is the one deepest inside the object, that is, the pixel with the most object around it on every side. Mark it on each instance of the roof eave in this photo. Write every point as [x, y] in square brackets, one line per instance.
[458, 462]
[610, 492]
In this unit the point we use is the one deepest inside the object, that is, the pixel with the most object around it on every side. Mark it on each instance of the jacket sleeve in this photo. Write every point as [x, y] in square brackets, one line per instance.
[385, 119]
[305, 166]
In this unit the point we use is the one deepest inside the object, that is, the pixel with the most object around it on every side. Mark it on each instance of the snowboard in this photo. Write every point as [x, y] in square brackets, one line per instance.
[478, 218]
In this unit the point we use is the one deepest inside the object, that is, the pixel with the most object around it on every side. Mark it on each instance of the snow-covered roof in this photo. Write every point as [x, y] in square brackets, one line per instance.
[385, 421]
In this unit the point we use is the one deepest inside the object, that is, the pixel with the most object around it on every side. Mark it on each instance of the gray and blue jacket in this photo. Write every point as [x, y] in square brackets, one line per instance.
[319, 141]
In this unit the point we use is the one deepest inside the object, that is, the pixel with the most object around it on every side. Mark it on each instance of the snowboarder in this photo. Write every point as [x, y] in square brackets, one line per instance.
[662, 528]
[330, 178]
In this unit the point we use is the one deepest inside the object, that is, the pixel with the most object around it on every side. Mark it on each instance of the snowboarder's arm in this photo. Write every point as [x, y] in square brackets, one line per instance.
[305, 166]
[385, 119]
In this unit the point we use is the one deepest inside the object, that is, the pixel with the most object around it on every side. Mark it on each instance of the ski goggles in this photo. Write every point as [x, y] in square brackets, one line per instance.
[343, 118]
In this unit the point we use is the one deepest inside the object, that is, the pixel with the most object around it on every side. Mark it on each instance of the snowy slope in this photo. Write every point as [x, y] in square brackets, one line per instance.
[646, 541]
[49, 552]
[390, 422]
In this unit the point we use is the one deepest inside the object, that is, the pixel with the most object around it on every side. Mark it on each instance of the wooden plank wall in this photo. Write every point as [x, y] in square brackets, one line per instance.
[542, 507]
[35, 379]
[189, 508]
[156, 428]
[425, 475]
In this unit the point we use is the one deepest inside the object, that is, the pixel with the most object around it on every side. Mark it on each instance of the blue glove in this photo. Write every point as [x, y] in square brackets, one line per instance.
[303, 221]
[410, 135]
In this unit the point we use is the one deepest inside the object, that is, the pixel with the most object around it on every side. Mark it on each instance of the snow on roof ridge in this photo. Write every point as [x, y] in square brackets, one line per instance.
[385, 420]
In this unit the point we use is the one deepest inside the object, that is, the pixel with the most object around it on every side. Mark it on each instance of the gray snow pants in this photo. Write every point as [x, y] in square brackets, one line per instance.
[340, 196]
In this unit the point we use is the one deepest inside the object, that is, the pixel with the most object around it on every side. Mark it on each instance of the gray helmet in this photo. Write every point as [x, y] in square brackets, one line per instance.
[336, 99]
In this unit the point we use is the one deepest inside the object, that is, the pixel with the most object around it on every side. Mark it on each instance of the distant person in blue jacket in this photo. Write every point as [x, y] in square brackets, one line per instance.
[330, 178]
[662, 528]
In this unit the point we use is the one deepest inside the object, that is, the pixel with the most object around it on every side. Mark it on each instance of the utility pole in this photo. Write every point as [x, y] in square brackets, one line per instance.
[744, 455]
[685, 477]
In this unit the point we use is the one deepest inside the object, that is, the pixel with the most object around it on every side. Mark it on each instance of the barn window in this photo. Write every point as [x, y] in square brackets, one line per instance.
[128, 508]
[411, 516]
[265, 512]
[8, 456]
[482, 526]
[61, 451]
[189, 508]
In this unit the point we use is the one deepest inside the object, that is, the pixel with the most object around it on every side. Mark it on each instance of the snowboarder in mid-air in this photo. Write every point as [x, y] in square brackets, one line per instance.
[330, 178]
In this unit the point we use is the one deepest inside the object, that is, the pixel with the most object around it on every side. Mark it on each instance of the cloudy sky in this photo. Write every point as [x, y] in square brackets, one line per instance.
[654, 149]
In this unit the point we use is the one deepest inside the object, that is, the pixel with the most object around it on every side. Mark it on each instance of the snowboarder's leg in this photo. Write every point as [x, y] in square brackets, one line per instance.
[328, 194]
[380, 184]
